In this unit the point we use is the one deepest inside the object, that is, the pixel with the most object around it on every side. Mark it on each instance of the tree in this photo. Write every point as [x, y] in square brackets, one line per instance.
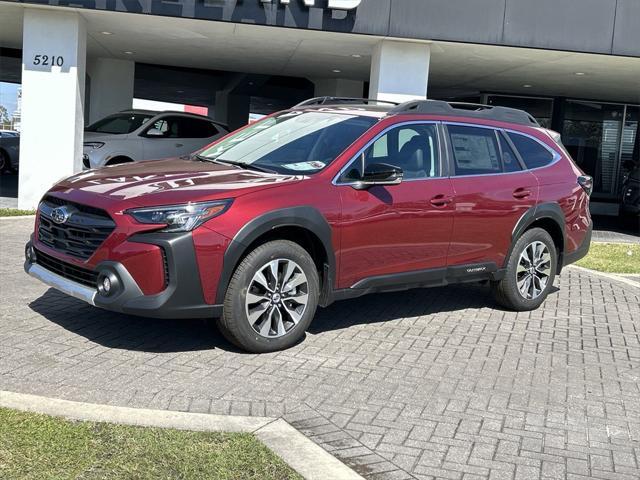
[4, 115]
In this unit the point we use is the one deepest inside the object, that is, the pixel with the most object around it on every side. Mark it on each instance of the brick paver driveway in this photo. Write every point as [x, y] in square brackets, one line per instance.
[422, 384]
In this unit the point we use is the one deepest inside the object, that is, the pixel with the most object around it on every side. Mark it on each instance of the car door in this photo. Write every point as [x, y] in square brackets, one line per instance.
[492, 191]
[161, 139]
[397, 234]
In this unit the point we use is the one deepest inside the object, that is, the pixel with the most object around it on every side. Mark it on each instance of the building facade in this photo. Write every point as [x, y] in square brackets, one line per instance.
[573, 64]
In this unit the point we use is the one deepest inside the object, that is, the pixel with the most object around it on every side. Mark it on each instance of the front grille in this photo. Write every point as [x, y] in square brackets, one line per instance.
[66, 270]
[81, 234]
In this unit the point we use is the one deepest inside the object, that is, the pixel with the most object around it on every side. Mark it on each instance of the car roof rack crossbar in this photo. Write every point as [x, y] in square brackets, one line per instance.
[475, 110]
[340, 100]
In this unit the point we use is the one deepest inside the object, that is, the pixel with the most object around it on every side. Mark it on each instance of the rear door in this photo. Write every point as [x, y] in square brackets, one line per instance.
[492, 190]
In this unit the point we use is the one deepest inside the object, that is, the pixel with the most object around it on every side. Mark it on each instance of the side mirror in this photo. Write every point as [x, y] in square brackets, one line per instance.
[154, 132]
[379, 174]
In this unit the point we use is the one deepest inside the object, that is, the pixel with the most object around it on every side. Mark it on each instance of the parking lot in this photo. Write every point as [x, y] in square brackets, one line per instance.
[422, 384]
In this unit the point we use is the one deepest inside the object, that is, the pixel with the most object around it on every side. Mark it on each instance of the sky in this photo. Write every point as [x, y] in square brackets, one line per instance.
[9, 96]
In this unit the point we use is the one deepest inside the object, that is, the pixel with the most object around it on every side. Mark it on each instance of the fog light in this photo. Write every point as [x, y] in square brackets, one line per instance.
[107, 284]
[30, 254]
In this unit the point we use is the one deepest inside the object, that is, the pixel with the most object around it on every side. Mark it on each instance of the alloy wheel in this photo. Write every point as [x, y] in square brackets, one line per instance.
[277, 298]
[534, 269]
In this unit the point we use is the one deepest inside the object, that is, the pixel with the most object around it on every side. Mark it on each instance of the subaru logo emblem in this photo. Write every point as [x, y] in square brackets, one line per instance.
[60, 214]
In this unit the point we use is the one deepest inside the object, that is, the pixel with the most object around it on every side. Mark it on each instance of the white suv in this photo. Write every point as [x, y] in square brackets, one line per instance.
[133, 135]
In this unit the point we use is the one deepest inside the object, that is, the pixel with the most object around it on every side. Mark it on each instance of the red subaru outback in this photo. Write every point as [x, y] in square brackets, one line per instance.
[331, 199]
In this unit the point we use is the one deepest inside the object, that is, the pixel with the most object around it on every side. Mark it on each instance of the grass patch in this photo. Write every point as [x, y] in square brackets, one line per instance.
[39, 447]
[613, 258]
[14, 212]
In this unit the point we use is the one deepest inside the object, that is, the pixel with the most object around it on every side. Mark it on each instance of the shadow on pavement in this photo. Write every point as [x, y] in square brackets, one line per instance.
[119, 331]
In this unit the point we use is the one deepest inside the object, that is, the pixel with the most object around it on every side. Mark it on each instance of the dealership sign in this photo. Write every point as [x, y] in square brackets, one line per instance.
[337, 4]
[332, 15]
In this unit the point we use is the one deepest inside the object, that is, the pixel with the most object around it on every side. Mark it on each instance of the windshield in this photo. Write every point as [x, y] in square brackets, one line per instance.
[304, 142]
[120, 123]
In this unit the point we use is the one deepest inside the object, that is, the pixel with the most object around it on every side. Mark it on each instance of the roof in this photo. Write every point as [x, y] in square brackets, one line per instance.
[380, 109]
[172, 112]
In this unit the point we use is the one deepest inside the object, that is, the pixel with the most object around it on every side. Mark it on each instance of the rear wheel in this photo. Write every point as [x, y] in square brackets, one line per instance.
[271, 298]
[531, 269]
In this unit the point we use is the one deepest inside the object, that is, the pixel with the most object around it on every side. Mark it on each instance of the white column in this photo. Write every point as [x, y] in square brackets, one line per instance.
[110, 86]
[400, 71]
[338, 87]
[53, 69]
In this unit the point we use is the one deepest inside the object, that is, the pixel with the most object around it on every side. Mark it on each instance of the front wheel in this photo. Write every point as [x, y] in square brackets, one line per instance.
[531, 269]
[271, 298]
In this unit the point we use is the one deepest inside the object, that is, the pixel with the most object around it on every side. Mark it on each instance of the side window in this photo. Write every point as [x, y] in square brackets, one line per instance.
[167, 126]
[510, 162]
[533, 154]
[475, 150]
[194, 128]
[413, 148]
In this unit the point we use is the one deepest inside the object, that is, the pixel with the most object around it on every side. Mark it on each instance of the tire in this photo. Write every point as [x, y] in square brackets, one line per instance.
[249, 319]
[507, 292]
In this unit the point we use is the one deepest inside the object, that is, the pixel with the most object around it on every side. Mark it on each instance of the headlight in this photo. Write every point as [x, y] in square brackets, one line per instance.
[94, 145]
[180, 218]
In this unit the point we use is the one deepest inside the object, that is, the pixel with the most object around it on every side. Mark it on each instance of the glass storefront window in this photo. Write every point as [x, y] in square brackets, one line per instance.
[630, 145]
[540, 108]
[591, 133]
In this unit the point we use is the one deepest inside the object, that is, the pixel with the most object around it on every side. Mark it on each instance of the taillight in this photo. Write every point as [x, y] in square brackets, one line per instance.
[586, 182]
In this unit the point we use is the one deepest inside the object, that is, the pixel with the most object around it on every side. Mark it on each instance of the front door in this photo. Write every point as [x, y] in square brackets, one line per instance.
[389, 230]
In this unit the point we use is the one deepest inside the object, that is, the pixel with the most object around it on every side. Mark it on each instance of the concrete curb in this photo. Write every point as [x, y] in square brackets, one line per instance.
[609, 276]
[303, 455]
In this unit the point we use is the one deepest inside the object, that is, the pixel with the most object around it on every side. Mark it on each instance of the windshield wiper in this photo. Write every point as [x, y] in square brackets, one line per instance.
[246, 166]
[199, 157]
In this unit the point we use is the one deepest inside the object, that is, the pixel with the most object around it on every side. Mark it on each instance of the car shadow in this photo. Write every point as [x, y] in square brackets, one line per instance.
[128, 332]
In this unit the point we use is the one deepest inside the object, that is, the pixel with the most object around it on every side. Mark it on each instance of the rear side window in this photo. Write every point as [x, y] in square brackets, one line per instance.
[194, 128]
[510, 162]
[533, 153]
[475, 150]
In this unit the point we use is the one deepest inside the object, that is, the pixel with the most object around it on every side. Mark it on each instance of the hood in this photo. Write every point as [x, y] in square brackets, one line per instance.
[165, 182]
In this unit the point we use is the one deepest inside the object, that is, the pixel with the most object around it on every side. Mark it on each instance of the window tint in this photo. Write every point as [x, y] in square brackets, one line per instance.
[533, 154]
[194, 128]
[119, 123]
[475, 150]
[510, 162]
[413, 148]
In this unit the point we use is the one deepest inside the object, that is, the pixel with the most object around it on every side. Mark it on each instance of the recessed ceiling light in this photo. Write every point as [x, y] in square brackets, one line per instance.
[180, 91]
[128, 53]
[526, 85]
[355, 55]
[580, 74]
[335, 70]
[106, 33]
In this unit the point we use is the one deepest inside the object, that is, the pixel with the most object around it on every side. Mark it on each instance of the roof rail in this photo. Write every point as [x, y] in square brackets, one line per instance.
[475, 110]
[339, 100]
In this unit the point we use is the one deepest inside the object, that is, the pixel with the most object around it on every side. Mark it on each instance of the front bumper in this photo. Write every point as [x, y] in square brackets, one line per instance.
[182, 297]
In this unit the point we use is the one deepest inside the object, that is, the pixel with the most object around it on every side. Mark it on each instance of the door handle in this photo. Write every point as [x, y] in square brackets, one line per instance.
[440, 200]
[179, 145]
[521, 193]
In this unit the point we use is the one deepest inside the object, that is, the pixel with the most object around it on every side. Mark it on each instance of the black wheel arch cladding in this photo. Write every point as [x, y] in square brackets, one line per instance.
[306, 217]
[544, 211]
